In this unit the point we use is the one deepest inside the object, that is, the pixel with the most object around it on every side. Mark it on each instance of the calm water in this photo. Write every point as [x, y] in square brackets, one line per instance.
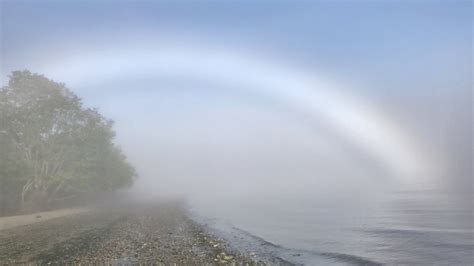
[415, 228]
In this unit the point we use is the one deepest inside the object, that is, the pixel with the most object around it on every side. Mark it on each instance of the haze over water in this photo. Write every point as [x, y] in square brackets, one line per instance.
[409, 227]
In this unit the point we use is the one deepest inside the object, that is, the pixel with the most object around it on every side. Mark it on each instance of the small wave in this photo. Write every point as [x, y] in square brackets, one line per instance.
[289, 252]
[357, 260]
[261, 240]
[275, 254]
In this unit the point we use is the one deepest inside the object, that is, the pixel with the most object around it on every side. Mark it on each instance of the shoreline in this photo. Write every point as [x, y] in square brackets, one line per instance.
[161, 233]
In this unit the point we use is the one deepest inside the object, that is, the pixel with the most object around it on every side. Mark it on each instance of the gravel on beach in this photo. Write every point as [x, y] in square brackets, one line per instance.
[135, 234]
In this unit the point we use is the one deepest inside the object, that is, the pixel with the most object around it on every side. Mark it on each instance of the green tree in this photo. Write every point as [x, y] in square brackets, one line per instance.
[53, 146]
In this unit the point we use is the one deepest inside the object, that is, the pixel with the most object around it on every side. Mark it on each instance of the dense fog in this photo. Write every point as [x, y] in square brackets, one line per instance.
[241, 108]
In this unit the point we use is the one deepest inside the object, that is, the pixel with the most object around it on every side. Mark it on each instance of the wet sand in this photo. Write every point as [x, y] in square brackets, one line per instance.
[161, 233]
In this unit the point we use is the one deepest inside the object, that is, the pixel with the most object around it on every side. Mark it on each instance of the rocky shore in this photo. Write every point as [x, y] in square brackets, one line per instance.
[133, 234]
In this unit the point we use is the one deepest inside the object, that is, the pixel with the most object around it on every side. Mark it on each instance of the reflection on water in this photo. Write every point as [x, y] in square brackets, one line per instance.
[408, 227]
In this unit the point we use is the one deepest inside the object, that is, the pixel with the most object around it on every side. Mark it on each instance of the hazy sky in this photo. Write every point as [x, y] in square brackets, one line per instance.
[409, 63]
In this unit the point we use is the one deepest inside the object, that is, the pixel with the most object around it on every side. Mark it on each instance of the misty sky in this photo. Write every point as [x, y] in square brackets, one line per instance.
[409, 61]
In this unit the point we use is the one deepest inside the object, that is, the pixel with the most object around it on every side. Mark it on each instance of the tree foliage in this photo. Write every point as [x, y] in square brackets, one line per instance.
[52, 146]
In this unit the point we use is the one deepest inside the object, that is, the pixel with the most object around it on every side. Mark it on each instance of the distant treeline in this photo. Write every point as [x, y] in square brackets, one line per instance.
[52, 148]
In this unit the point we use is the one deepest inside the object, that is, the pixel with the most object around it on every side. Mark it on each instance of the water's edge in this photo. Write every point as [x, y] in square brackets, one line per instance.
[262, 250]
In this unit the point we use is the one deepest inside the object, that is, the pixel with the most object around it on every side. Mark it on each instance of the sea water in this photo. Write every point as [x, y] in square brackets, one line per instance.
[398, 227]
